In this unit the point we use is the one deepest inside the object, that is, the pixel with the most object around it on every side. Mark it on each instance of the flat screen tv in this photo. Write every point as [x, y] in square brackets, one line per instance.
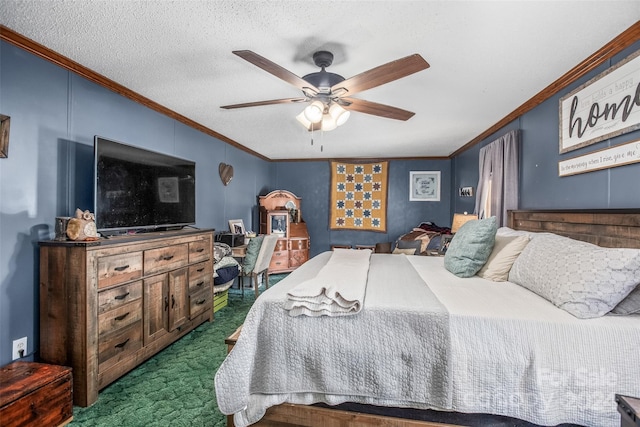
[138, 190]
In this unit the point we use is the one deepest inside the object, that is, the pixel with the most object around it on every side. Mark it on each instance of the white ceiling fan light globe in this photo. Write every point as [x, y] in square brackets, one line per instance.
[339, 114]
[303, 120]
[328, 123]
[313, 112]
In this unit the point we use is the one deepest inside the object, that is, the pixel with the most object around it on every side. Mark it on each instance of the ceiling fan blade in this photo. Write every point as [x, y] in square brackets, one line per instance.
[275, 69]
[386, 73]
[368, 107]
[259, 103]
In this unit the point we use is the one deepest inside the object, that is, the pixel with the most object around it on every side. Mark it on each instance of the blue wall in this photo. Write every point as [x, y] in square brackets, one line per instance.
[540, 185]
[49, 171]
[309, 181]
[55, 115]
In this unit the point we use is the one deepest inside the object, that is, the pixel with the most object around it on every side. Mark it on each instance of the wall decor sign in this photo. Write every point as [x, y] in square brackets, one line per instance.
[424, 186]
[359, 196]
[4, 135]
[620, 155]
[606, 106]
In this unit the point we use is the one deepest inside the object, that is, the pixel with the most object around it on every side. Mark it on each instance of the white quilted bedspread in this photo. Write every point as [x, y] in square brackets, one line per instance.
[427, 339]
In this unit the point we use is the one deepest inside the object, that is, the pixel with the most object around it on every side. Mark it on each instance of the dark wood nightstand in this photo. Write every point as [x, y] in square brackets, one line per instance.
[629, 408]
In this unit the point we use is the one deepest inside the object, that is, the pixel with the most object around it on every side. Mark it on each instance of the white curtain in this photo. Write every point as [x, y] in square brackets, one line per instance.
[497, 190]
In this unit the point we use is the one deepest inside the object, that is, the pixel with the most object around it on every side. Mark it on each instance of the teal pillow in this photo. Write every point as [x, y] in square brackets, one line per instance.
[471, 246]
[253, 248]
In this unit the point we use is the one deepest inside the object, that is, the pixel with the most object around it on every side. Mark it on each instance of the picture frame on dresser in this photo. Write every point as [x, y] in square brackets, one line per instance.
[237, 226]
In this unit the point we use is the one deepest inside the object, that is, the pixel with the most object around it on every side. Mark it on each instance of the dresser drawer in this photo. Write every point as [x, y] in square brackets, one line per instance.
[116, 297]
[298, 244]
[279, 260]
[165, 259]
[120, 317]
[200, 250]
[200, 302]
[114, 347]
[281, 245]
[200, 276]
[297, 258]
[115, 269]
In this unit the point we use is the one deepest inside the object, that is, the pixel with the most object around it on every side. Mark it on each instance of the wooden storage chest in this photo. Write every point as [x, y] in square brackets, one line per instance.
[35, 394]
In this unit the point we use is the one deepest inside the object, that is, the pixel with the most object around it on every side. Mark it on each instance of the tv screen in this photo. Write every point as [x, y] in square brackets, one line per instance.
[138, 189]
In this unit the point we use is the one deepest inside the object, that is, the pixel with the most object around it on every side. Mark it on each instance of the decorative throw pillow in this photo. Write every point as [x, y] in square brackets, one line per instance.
[416, 245]
[404, 251]
[583, 279]
[504, 253]
[629, 305]
[252, 253]
[471, 246]
[220, 250]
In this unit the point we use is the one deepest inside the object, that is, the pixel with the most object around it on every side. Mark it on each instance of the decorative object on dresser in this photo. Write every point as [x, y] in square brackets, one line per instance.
[108, 305]
[35, 394]
[281, 214]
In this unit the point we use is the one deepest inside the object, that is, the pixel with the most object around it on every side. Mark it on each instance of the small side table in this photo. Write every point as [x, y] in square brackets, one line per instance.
[629, 408]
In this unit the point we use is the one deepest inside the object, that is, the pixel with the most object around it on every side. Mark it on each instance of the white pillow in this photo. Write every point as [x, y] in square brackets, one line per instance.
[629, 305]
[505, 251]
[583, 279]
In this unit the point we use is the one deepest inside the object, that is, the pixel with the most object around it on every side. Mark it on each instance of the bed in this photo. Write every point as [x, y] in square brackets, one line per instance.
[493, 348]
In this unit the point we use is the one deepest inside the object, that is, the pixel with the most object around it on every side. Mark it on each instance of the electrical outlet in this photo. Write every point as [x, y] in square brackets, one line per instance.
[19, 348]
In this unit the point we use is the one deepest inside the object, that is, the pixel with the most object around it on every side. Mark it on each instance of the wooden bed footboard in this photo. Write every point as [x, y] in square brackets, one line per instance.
[607, 228]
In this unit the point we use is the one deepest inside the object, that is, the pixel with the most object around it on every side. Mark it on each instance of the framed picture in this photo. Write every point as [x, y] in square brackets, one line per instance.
[424, 186]
[4, 135]
[236, 226]
[445, 240]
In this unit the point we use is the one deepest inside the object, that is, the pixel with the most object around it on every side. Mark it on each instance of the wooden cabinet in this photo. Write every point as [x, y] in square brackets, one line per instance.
[280, 214]
[108, 305]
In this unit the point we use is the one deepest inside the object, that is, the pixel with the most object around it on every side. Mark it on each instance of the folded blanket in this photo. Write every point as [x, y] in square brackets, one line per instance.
[337, 290]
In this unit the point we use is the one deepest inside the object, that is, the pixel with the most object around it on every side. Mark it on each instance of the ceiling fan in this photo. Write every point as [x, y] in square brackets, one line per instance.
[329, 94]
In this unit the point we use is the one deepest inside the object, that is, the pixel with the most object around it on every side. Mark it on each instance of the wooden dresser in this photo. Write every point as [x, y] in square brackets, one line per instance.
[280, 213]
[108, 305]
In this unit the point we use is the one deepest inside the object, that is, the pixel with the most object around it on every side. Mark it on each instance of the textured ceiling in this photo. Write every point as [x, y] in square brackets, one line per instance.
[487, 58]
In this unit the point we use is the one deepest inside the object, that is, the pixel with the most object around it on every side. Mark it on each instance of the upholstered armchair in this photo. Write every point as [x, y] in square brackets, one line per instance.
[259, 252]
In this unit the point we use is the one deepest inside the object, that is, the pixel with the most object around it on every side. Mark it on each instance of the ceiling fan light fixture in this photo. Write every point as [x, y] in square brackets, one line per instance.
[339, 114]
[314, 111]
[304, 121]
[328, 123]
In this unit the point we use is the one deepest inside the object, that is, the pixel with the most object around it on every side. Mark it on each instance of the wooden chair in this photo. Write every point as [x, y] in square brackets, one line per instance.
[261, 267]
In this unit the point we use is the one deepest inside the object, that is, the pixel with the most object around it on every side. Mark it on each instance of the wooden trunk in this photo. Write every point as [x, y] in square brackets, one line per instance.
[35, 394]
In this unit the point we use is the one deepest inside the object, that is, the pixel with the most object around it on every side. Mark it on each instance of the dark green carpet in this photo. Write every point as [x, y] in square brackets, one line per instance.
[174, 387]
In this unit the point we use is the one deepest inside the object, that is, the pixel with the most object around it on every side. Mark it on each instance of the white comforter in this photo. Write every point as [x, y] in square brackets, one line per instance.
[480, 346]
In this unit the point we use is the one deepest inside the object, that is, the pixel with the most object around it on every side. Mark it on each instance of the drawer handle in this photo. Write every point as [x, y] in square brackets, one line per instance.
[200, 270]
[202, 301]
[122, 316]
[167, 258]
[200, 250]
[173, 301]
[166, 303]
[122, 268]
[122, 344]
[121, 297]
[200, 283]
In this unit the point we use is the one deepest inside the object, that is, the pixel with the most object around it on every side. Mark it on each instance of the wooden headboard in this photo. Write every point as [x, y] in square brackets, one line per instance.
[614, 228]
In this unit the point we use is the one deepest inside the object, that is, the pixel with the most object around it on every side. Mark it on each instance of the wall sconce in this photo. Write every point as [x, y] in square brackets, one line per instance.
[465, 191]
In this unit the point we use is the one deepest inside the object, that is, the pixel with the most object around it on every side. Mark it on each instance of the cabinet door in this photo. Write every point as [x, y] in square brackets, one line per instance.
[156, 307]
[178, 298]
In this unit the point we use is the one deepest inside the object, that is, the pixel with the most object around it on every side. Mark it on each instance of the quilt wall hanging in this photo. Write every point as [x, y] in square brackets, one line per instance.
[359, 196]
